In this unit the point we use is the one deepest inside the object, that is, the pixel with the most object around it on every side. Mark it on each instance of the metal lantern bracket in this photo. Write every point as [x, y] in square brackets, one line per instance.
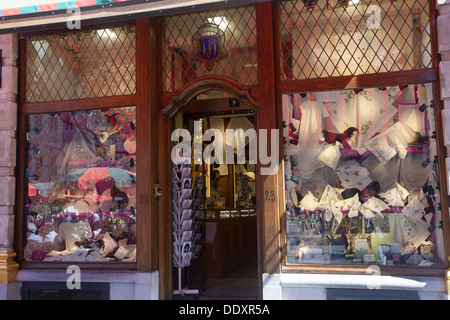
[424, 106]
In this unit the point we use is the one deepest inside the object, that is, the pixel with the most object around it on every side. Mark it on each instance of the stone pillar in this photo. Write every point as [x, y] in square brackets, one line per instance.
[8, 125]
[443, 24]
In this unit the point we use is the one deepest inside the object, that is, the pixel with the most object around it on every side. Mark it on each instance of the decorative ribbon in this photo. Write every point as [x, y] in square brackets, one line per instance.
[129, 115]
[125, 123]
[113, 120]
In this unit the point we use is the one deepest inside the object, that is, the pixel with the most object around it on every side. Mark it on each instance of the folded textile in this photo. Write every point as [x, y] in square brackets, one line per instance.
[395, 196]
[375, 205]
[400, 148]
[379, 145]
[353, 175]
[329, 195]
[414, 209]
[309, 202]
[331, 155]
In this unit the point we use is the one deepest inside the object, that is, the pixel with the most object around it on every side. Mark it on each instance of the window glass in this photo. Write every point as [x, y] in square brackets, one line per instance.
[220, 42]
[69, 66]
[81, 174]
[332, 38]
[361, 177]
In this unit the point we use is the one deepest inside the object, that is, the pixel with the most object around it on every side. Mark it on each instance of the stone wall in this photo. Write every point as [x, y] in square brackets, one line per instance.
[8, 125]
[443, 25]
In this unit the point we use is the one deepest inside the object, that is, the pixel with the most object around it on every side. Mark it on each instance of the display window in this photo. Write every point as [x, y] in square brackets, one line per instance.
[81, 186]
[361, 177]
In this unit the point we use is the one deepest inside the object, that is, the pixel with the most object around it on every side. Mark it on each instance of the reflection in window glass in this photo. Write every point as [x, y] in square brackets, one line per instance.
[81, 186]
[361, 178]
[216, 42]
[331, 38]
[88, 64]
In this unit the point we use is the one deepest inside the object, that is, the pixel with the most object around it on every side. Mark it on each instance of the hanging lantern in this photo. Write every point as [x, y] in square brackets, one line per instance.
[310, 4]
[209, 42]
[343, 3]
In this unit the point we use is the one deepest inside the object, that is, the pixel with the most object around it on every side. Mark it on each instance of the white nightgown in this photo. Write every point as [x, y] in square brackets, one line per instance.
[311, 125]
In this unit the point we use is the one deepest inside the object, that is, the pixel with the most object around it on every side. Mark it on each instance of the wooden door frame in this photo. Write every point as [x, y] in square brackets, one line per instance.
[175, 104]
[203, 85]
[269, 238]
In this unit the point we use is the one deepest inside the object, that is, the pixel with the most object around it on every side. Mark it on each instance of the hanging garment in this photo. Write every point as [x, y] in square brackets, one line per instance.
[240, 123]
[240, 139]
[309, 136]
[218, 123]
[311, 125]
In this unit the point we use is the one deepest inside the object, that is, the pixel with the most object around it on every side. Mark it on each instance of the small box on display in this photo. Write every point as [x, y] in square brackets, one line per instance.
[395, 248]
[337, 251]
[310, 255]
[391, 248]
[369, 258]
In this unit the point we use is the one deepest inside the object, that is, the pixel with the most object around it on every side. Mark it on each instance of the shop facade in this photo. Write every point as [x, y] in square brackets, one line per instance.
[349, 201]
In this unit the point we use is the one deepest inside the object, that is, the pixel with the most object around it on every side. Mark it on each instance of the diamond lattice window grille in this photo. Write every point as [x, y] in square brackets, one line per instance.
[361, 37]
[81, 65]
[239, 26]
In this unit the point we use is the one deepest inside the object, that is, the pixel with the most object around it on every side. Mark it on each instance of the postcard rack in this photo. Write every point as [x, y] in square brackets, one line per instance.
[186, 227]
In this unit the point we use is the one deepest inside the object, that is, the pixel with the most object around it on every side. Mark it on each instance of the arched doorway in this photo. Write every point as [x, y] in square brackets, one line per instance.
[226, 264]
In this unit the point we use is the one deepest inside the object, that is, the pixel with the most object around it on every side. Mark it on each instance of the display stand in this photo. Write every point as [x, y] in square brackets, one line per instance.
[182, 291]
[186, 227]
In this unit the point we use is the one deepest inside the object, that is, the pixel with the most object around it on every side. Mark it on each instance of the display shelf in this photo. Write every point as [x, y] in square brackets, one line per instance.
[229, 213]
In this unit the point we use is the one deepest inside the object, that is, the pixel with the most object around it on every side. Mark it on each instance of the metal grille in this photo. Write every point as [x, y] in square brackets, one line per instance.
[331, 38]
[240, 63]
[96, 63]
